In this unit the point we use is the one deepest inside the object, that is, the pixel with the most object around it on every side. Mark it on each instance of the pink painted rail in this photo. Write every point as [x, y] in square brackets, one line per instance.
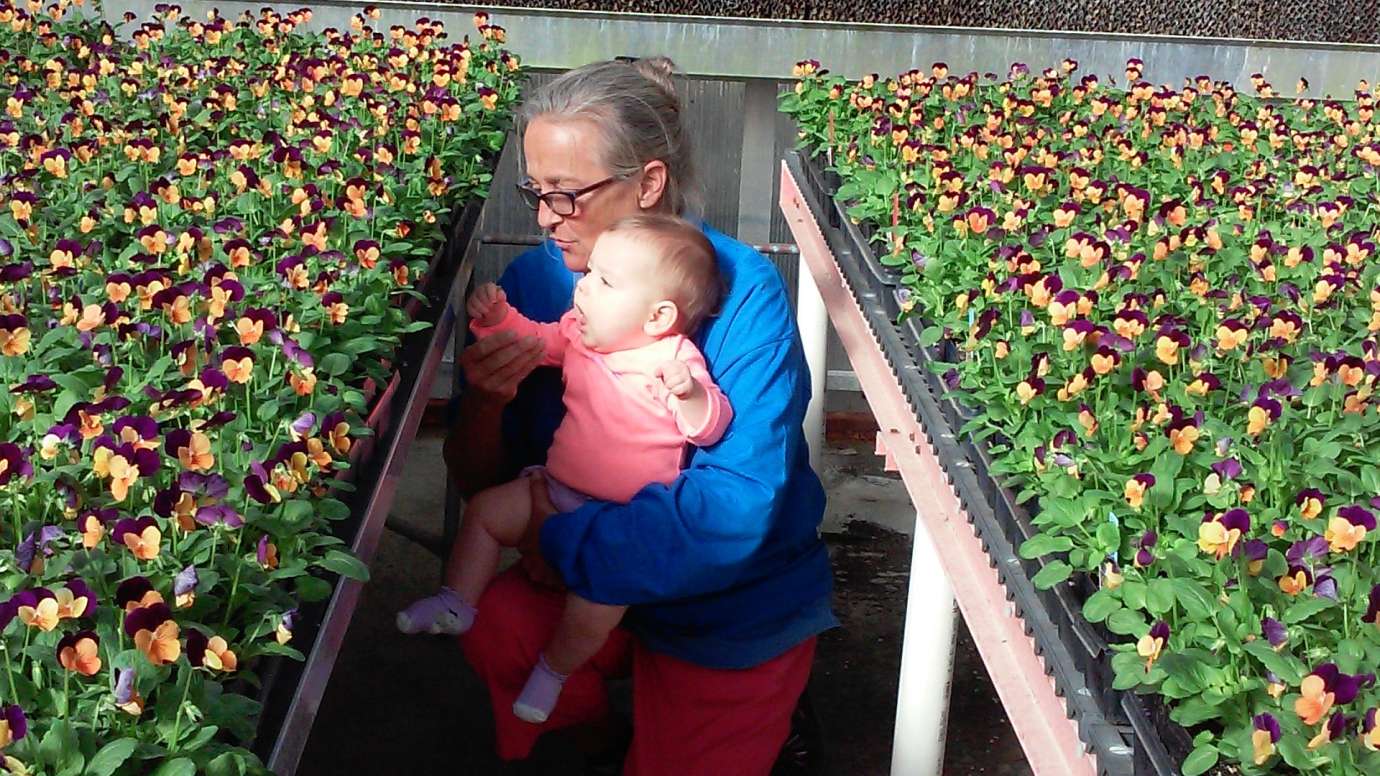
[1038, 715]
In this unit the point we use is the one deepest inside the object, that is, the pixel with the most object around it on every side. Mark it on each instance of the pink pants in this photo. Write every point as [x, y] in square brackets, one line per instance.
[687, 719]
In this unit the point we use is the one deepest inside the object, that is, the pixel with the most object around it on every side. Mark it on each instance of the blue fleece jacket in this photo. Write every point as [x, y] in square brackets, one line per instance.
[725, 567]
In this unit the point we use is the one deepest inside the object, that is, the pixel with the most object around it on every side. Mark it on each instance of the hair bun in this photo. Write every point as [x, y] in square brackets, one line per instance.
[660, 71]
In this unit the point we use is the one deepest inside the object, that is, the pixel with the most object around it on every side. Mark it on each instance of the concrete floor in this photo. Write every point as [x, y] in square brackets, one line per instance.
[410, 704]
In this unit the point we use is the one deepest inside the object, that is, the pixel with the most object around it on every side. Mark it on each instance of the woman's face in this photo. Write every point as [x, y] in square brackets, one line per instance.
[566, 154]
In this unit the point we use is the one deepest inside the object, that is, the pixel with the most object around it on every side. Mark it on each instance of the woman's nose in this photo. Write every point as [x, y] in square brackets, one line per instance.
[546, 217]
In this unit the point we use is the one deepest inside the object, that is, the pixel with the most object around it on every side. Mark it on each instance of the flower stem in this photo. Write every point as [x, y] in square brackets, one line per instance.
[177, 718]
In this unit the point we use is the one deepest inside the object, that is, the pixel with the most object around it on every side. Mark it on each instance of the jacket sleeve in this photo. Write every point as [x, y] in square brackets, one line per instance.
[552, 335]
[699, 534]
[720, 412]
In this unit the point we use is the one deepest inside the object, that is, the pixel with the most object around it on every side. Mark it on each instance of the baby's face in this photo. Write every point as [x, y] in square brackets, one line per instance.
[616, 298]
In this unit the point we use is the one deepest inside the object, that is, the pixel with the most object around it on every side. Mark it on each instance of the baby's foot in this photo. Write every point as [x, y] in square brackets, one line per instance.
[540, 694]
[446, 612]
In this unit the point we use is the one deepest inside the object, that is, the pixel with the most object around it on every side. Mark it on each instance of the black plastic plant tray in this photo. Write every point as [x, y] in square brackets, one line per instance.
[292, 690]
[1075, 652]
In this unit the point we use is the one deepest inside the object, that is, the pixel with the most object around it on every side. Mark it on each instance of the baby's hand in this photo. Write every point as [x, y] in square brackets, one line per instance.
[675, 375]
[488, 305]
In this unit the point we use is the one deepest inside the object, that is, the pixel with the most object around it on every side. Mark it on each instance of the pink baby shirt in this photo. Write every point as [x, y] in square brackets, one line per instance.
[622, 429]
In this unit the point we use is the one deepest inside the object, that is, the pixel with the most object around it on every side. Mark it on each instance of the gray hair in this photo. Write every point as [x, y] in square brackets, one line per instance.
[637, 111]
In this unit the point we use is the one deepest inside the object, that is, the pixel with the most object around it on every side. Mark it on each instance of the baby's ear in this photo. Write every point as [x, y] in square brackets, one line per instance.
[663, 319]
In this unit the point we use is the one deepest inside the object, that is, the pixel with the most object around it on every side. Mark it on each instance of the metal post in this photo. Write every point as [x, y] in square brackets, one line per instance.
[813, 320]
[927, 663]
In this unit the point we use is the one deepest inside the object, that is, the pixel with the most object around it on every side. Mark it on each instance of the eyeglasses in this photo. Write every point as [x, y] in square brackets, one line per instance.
[561, 202]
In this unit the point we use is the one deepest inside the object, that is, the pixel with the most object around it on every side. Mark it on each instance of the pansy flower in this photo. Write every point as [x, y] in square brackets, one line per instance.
[1183, 432]
[1263, 412]
[267, 553]
[37, 608]
[1334, 729]
[1231, 334]
[1348, 528]
[1136, 488]
[14, 462]
[75, 599]
[1254, 551]
[14, 725]
[286, 624]
[238, 364]
[1219, 533]
[1145, 550]
[80, 652]
[140, 535]
[30, 553]
[136, 592]
[219, 514]
[1310, 502]
[1152, 643]
[1325, 687]
[184, 587]
[1372, 615]
[92, 525]
[337, 430]
[213, 654]
[192, 449]
[1168, 344]
[1370, 732]
[137, 430]
[154, 632]
[1265, 734]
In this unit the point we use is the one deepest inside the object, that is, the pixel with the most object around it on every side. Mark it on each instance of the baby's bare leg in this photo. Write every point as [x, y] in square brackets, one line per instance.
[494, 518]
[583, 629]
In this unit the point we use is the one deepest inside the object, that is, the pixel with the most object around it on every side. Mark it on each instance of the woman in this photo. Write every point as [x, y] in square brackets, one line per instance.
[724, 570]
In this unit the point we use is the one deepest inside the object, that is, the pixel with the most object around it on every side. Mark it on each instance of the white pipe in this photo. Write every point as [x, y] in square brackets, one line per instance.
[813, 320]
[927, 664]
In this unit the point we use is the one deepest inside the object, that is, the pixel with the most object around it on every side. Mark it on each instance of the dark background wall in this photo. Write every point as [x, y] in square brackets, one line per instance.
[1345, 21]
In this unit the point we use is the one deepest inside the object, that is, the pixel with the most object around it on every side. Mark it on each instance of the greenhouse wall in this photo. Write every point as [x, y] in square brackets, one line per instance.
[1352, 21]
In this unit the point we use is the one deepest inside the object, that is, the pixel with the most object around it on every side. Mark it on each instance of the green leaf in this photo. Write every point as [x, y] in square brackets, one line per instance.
[334, 364]
[77, 386]
[111, 756]
[60, 739]
[332, 509]
[1292, 750]
[311, 589]
[1199, 760]
[1274, 662]
[1302, 610]
[267, 411]
[1125, 622]
[1100, 605]
[227, 764]
[1044, 544]
[1052, 574]
[298, 510]
[360, 345]
[1159, 597]
[345, 565]
[1194, 711]
[1133, 594]
[1194, 599]
[180, 766]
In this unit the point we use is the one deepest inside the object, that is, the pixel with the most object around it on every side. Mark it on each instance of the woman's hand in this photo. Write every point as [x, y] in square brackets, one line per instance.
[495, 365]
[530, 545]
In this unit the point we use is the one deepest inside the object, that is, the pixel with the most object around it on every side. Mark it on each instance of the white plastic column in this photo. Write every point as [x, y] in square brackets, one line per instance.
[927, 663]
[813, 320]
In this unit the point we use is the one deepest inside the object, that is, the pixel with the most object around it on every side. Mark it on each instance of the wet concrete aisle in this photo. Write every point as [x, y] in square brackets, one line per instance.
[411, 705]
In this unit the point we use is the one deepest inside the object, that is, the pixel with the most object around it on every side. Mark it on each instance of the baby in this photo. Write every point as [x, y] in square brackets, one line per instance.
[636, 391]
